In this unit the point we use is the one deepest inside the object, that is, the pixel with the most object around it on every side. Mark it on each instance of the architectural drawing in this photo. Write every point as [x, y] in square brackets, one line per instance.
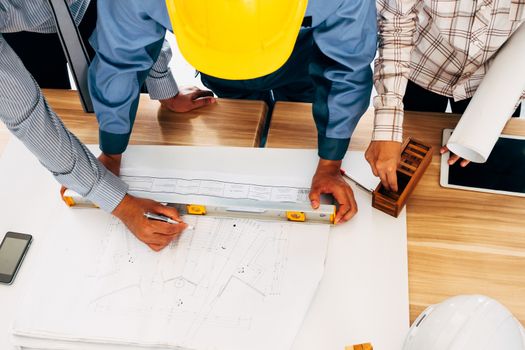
[220, 274]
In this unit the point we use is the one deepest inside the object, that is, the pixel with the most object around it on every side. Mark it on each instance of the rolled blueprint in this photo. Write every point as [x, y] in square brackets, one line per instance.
[493, 103]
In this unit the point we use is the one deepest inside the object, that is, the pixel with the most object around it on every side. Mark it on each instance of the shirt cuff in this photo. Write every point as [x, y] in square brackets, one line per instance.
[332, 149]
[113, 143]
[108, 192]
[388, 125]
[161, 88]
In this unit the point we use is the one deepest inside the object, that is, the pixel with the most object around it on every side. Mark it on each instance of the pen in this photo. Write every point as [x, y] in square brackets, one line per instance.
[355, 181]
[163, 218]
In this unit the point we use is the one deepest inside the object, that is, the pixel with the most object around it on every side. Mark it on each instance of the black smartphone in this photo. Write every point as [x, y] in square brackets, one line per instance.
[12, 252]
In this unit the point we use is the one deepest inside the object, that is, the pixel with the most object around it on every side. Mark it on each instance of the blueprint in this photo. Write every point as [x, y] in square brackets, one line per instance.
[226, 283]
[80, 285]
[222, 285]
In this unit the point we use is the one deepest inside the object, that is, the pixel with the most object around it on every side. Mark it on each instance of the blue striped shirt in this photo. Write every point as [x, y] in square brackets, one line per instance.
[27, 115]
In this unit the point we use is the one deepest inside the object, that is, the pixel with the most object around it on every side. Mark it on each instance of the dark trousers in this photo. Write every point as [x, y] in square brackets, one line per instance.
[291, 82]
[43, 56]
[422, 100]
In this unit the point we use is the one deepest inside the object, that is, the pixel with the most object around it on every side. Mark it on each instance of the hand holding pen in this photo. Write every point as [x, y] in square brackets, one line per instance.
[157, 234]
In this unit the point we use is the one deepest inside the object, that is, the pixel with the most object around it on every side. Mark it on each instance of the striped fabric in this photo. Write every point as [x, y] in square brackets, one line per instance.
[443, 46]
[27, 115]
[160, 82]
[34, 15]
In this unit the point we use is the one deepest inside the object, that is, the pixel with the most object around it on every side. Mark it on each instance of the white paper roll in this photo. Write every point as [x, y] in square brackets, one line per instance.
[493, 103]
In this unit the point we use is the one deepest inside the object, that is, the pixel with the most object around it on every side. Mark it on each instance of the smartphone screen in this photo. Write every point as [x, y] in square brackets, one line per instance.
[503, 171]
[12, 252]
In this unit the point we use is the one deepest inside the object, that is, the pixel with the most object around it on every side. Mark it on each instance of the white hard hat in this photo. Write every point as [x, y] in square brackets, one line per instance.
[466, 322]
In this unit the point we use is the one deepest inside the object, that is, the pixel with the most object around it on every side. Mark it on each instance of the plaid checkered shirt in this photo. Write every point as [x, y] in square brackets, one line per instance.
[445, 46]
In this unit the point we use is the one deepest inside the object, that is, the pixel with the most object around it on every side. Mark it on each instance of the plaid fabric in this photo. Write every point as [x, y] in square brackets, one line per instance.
[445, 46]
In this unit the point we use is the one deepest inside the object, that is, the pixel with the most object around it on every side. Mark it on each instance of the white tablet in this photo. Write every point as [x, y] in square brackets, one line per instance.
[503, 173]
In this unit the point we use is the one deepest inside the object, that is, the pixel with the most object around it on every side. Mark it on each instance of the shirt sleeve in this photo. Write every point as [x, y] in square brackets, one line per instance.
[127, 42]
[344, 47]
[397, 24]
[160, 82]
[27, 115]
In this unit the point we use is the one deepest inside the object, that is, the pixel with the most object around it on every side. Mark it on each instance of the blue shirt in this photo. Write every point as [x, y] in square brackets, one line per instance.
[129, 37]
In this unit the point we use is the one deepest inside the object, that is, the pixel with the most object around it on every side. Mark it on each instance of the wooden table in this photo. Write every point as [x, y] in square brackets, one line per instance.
[225, 123]
[459, 242]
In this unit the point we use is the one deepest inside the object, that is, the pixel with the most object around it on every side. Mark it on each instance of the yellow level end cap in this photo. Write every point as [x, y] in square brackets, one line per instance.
[366, 346]
[298, 216]
[195, 209]
[70, 202]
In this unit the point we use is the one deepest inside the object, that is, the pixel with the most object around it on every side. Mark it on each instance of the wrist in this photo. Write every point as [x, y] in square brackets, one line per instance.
[329, 166]
[115, 157]
[168, 99]
[122, 208]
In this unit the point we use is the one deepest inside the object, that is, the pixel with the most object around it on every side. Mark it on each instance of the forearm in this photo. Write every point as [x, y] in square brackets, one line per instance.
[127, 42]
[397, 24]
[26, 114]
[343, 50]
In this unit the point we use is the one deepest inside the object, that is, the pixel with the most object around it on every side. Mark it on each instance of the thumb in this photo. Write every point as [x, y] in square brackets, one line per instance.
[170, 212]
[315, 197]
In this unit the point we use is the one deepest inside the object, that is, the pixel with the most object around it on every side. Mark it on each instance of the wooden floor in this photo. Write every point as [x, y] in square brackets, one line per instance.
[459, 242]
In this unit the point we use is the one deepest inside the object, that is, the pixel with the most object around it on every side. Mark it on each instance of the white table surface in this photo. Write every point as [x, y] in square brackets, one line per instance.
[363, 296]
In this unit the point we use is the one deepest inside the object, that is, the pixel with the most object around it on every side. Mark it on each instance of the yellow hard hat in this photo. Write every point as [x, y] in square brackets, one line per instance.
[236, 39]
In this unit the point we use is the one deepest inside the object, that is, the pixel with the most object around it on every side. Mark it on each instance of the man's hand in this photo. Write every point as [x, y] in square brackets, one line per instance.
[188, 99]
[454, 158]
[384, 157]
[328, 179]
[111, 162]
[156, 234]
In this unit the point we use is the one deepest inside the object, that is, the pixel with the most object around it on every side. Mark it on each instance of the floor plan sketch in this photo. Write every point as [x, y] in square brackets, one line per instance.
[222, 274]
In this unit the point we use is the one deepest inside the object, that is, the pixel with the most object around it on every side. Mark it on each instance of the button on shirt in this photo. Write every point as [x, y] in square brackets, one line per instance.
[443, 46]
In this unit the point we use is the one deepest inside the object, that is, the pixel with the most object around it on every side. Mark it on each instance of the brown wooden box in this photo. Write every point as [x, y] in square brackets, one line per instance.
[415, 159]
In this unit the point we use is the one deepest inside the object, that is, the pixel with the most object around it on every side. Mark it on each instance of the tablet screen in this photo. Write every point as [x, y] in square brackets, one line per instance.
[503, 171]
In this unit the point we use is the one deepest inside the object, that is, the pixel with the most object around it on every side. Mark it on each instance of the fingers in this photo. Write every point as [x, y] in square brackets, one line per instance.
[347, 205]
[160, 234]
[168, 211]
[464, 163]
[384, 180]
[201, 98]
[201, 102]
[201, 93]
[353, 207]
[315, 197]
[384, 158]
[388, 177]
[164, 228]
[453, 159]
[392, 180]
[157, 247]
